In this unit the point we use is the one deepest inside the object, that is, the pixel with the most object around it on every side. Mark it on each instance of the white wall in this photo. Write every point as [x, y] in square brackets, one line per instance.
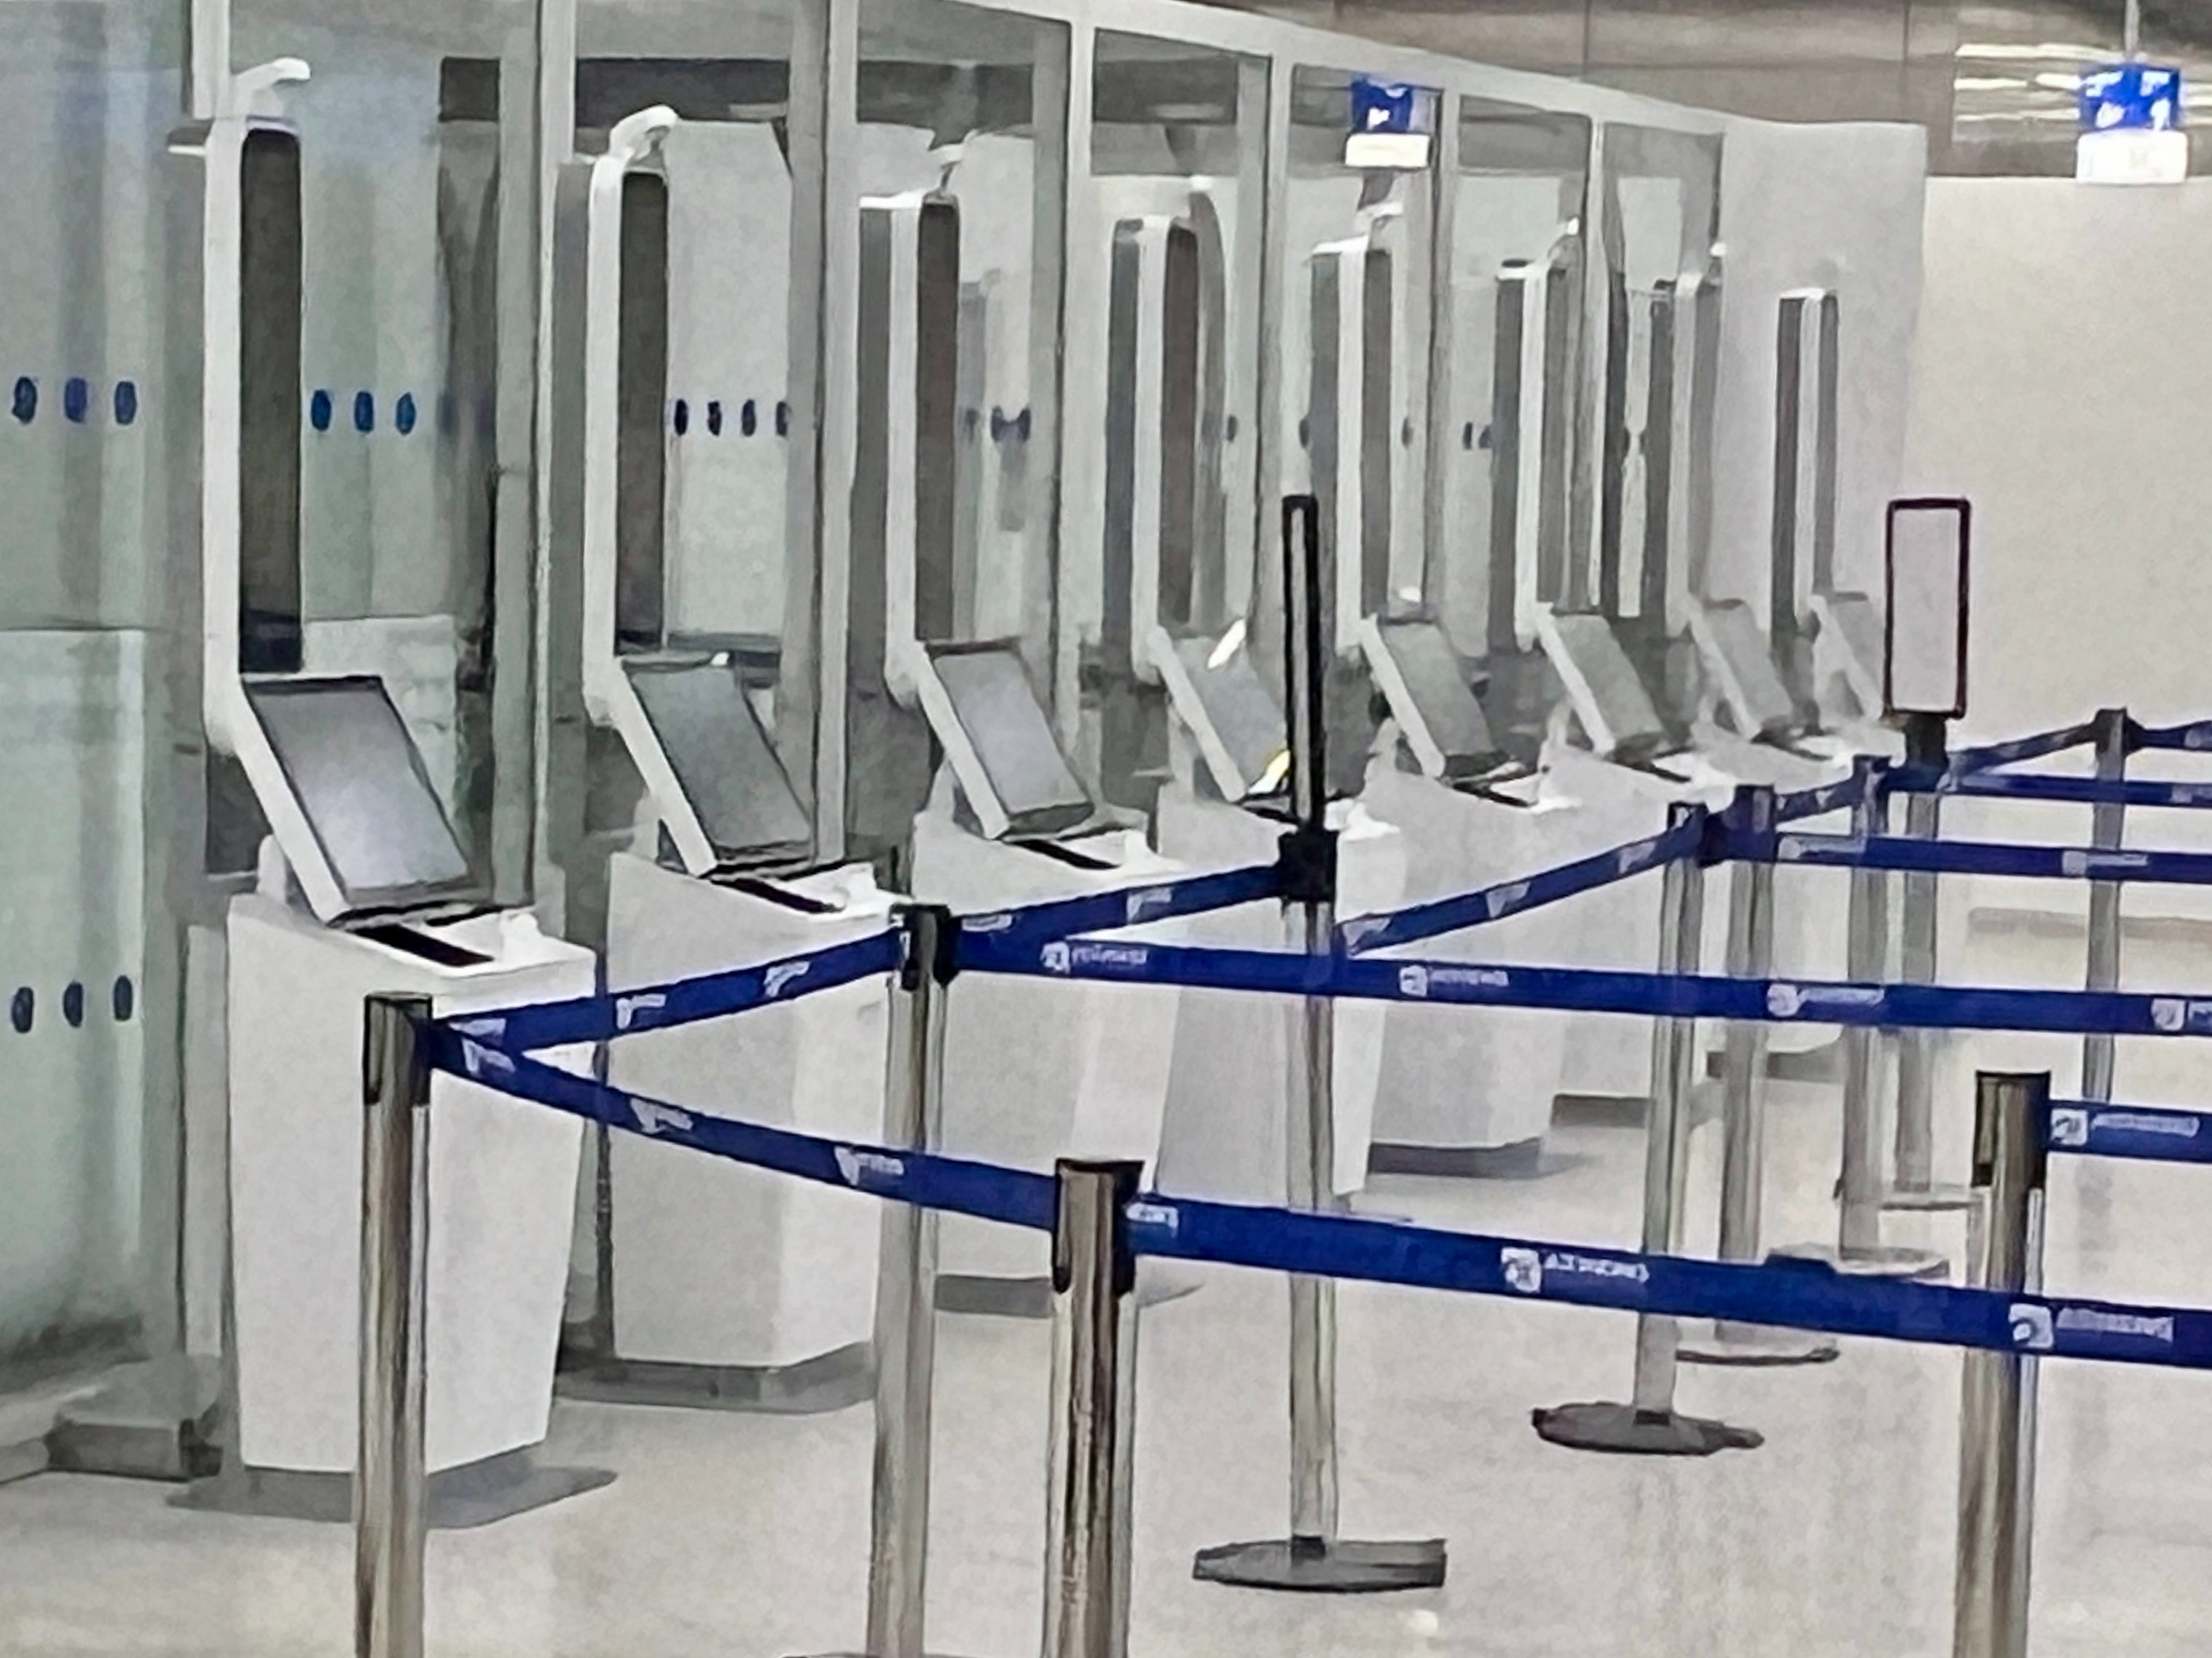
[2063, 354]
[1837, 206]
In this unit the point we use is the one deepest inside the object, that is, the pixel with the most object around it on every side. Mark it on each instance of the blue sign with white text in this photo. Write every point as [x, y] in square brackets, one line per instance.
[2131, 97]
[1381, 106]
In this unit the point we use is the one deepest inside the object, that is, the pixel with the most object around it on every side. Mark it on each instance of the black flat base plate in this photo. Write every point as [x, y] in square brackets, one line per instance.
[1311, 1566]
[1628, 1431]
[1884, 1260]
[1930, 1200]
[456, 1499]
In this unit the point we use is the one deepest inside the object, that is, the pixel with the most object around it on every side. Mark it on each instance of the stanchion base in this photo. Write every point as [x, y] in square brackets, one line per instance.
[1314, 1565]
[1883, 1260]
[1932, 1200]
[1628, 1431]
[1754, 1346]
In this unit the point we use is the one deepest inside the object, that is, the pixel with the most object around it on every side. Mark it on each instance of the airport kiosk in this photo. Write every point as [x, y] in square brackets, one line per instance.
[999, 817]
[362, 887]
[728, 1286]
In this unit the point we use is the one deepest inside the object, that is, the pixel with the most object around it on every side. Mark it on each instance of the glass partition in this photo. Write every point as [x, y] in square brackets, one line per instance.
[1162, 349]
[1661, 222]
[1518, 264]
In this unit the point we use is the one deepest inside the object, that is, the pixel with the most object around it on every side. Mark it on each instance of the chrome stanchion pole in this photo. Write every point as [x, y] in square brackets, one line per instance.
[1648, 1424]
[1313, 1556]
[1859, 1190]
[905, 1339]
[1743, 1108]
[391, 1479]
[1996, 1418]
[2108, 830]
[1093, 1424]
[1912, 1183]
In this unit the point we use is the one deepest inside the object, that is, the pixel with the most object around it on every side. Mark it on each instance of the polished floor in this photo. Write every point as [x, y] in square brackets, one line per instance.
[744, 1537]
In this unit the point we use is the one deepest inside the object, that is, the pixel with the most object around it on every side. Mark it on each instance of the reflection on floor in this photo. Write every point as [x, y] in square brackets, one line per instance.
[746, 1535]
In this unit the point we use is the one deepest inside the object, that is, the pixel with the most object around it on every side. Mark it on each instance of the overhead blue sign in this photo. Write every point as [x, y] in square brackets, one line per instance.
[1381, 106]
[2131, 97]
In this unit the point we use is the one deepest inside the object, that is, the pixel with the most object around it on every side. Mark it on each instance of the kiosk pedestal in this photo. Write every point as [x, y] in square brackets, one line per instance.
[731, 1285]
[1223, 1133]
[502, 1180]
[1469, 1091]
[1035, 1071]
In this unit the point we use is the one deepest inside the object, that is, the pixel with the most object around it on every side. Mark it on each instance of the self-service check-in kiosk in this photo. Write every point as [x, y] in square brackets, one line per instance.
[362, 887]
[1000, 818]
[721, 1285]
[1473, 813]
[1189, 719]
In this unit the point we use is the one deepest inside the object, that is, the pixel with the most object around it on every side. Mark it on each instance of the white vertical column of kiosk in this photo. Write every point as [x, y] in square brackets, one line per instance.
[729, 1286]
[1474, 815]
[1313, 1557]
[362, 888]
[1008, 822]
[1224, 1134]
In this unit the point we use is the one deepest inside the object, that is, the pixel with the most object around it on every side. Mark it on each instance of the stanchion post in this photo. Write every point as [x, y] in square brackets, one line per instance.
[391, 1477]
[1996, 1421]
[1093, 1423]
[1648, 1424]
[905, 1297]
[1859, 1188]
[1313, 1557]
[1912, 1183]
[2108, 829]
[1744, 1103]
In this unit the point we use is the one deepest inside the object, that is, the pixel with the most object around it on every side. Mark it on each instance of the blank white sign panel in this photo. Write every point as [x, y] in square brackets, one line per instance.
[1927, 665]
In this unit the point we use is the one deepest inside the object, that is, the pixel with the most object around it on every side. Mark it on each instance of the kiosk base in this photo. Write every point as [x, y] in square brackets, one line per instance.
[831, 1382]
[458, 1498]
[1316, 1565]
[1628, 1431]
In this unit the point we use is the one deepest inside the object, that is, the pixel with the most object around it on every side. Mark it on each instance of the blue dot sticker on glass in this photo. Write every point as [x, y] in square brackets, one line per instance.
[364, 411]
[26, 405]
[748, 417]
[714, 416]
[682, 417]
[123, 999]
[73, 1005]
[318, 410]
[126, 402]
[76, 399]
[403, 413]
[782, 418]
[22, 1010]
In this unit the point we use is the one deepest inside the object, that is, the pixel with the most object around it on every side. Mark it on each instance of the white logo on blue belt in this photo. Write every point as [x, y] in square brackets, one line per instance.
[2031, 1327]
[1165, 1216]
[1413, 980]
[627, 1008]
[1498, 900]
[479, 1060]
[2069, 1125]
[862, 1168]
[1146, 898]
[652, 1116]
[781, 974]
[1523, 1269]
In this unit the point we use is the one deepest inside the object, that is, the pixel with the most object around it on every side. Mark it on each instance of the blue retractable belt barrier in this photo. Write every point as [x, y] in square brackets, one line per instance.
[2150, 1134]
[1432, 920]
[1788, 1294]
[1585, 990]
[1136, 906]
[685, 1001]
[2193, 736]
[1839, 796]
[1974, 857]
[2039, 746]
[2029, 786]
[1012, 1196]
[1799, 1297]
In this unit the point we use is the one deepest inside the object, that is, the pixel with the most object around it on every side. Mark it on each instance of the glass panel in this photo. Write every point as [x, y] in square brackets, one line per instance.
[88, 1263]
[1355, 340]
[1163, 344]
